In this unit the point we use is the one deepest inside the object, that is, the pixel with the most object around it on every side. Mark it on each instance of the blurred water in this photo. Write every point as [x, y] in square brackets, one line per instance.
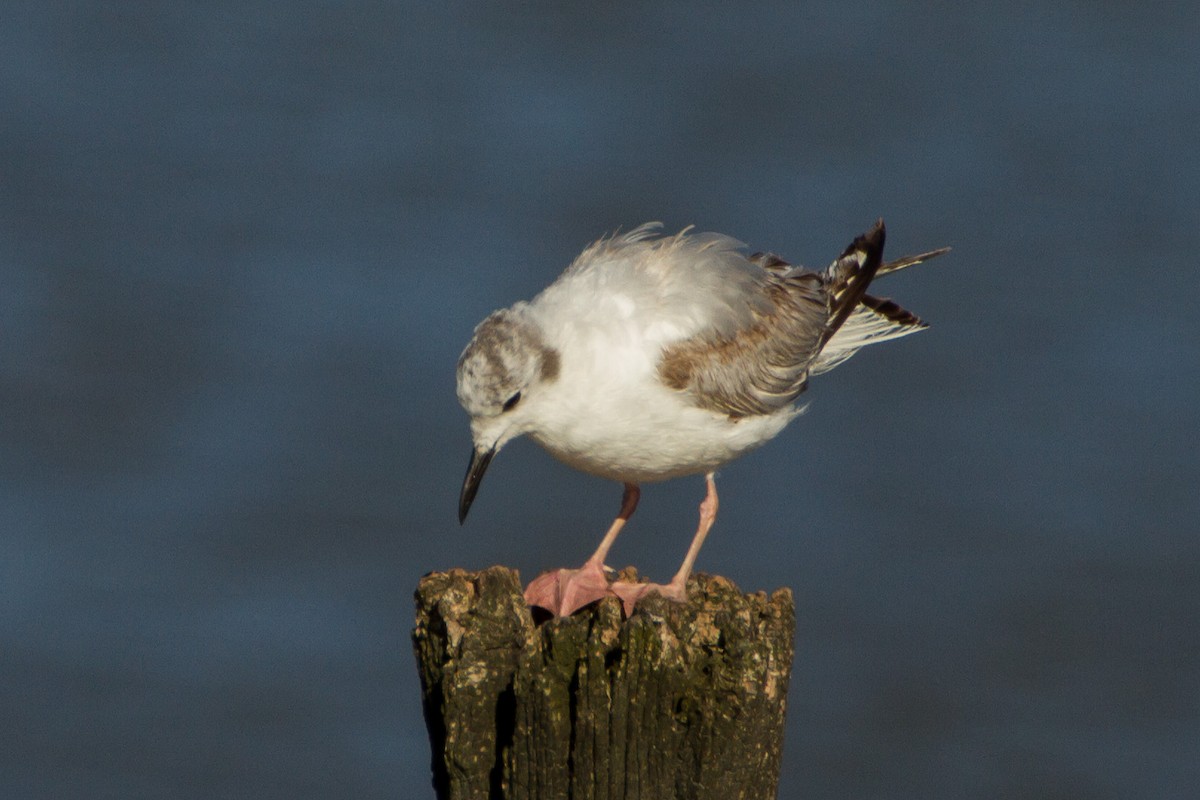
[241, 248]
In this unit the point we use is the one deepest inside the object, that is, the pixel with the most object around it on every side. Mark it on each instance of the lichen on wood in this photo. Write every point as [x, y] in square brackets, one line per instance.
[679, 700]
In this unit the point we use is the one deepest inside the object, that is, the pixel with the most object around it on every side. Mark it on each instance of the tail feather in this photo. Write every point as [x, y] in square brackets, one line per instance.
[851, 274]
[857, 318]
[875, 320]
[892, 311]
[911, 261]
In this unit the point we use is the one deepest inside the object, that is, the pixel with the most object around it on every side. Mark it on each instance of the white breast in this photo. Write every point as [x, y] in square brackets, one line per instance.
[608, 415]
[609, 317]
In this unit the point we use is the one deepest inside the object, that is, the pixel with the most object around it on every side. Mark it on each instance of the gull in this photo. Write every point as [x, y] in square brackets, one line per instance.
[653, 357]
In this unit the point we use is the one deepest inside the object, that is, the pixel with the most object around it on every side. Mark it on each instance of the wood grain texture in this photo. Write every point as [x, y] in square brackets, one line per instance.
[679, 701]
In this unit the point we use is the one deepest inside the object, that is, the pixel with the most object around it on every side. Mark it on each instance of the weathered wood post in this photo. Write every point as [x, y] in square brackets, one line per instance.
[679, 701]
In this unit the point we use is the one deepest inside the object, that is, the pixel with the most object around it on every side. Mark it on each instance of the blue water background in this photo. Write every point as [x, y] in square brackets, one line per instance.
[241, 246]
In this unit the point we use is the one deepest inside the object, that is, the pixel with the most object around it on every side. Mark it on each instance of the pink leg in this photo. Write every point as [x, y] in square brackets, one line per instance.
[677, 589]
[565, 591]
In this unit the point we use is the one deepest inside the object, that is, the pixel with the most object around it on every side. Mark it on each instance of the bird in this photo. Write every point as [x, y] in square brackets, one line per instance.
[657, 356]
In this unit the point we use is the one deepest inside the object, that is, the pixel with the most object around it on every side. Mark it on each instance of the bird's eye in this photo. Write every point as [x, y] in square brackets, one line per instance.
[511, 402]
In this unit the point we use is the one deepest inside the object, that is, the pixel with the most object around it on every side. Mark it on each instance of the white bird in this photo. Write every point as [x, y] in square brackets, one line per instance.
[653, 357]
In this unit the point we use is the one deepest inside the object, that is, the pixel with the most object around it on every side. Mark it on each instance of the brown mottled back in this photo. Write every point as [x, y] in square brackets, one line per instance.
[763, 367]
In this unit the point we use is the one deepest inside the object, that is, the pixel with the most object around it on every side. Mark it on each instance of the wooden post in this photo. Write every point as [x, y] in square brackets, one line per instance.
[679, 701]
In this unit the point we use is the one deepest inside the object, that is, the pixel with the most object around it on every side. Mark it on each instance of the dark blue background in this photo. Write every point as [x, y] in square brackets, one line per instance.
[241, 247]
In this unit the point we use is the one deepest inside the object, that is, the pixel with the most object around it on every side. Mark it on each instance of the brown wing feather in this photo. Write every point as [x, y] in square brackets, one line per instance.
[769, 261]
[889, 309]
[762, 367]
[852, 273]
[911, 261]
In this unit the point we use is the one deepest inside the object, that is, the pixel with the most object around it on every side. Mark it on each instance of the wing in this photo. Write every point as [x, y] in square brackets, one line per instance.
[810, 322]
[872, 319]
[763, 366]
[875, 320]
[740, 334]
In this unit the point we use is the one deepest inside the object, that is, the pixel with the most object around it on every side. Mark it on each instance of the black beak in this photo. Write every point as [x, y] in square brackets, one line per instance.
[479, 464]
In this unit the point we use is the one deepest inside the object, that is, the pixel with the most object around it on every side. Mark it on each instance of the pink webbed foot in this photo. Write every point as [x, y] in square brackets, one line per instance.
[562, 592]
[632, 593]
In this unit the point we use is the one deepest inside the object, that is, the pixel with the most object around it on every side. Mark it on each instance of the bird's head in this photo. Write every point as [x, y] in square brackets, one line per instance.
[500, 374]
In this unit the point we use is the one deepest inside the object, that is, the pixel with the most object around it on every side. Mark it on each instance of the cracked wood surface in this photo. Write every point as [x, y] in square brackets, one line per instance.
[678, 701]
